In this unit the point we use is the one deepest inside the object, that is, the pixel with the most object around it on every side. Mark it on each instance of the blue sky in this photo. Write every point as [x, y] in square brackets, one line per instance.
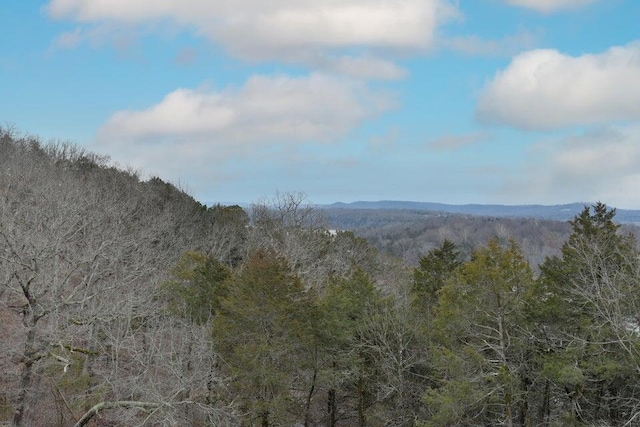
[469, 101]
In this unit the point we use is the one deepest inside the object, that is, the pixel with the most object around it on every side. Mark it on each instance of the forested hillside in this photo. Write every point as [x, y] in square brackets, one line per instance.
[407, 234]
[125, 302]
[542, 212]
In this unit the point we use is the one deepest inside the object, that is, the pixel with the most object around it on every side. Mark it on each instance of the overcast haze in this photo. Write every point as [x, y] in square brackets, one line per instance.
[470, 101]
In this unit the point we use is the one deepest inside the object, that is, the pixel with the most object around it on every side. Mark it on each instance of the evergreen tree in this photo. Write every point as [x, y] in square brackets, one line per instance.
[429, 277]
[263, 327]
[349, 367]
[586, 306]
[196, 285]
[480, 342]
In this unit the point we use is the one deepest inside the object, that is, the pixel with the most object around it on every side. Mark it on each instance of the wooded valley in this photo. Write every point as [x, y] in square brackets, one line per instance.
[125, 302]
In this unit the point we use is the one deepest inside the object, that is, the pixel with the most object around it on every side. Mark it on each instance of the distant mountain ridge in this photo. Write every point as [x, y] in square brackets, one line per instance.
[552, 212]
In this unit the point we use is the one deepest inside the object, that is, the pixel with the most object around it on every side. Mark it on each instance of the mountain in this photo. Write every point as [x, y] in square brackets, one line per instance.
[555, 212]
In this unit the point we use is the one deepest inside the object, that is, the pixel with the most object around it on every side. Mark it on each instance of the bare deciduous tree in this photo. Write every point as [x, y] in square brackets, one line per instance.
[82, 248]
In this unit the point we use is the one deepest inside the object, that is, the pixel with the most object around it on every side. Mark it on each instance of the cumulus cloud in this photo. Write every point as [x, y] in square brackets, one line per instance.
[545, 89]
[207, 137]
[267, 29]
[193, 129]
[365, 67]
[124, 40]
[506, 46]
[601, 164]
[547, 6]
[310, 108]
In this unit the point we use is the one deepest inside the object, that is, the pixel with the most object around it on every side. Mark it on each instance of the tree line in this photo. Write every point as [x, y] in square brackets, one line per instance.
[124, 301]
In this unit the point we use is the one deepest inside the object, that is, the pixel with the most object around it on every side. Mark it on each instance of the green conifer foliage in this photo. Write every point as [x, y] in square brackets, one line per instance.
[350, 367]
[479, 342]
[586, 306]
[196, 285]
[435, 268]
[261, 331]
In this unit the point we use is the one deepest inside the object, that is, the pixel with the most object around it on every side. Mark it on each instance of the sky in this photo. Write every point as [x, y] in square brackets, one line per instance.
[469, 101]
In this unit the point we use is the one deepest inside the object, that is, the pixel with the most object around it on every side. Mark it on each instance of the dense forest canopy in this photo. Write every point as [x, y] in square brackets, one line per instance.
[125, 301]
[408, 234]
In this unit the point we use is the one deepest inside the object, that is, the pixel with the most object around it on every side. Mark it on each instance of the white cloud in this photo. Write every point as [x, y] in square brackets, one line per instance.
[544, 89]
[311, 108]
[365, 67]
[267, 29]
[599, 165]
[477, 46]
[548, 6]
[124, 40]
[194, 129]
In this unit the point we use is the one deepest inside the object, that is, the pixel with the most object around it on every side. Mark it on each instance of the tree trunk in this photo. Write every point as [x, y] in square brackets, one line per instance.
[307, 410]
[507, 410]
[545, 409]
[503, 354]
[332, 408]
[525, 411]
[362, 419]
[26, 377]
[29, 358]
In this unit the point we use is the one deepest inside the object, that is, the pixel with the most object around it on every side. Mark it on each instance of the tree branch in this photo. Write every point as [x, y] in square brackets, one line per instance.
[112, 405]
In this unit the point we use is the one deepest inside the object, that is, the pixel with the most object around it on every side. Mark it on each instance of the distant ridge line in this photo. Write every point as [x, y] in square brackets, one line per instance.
[560, 212]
